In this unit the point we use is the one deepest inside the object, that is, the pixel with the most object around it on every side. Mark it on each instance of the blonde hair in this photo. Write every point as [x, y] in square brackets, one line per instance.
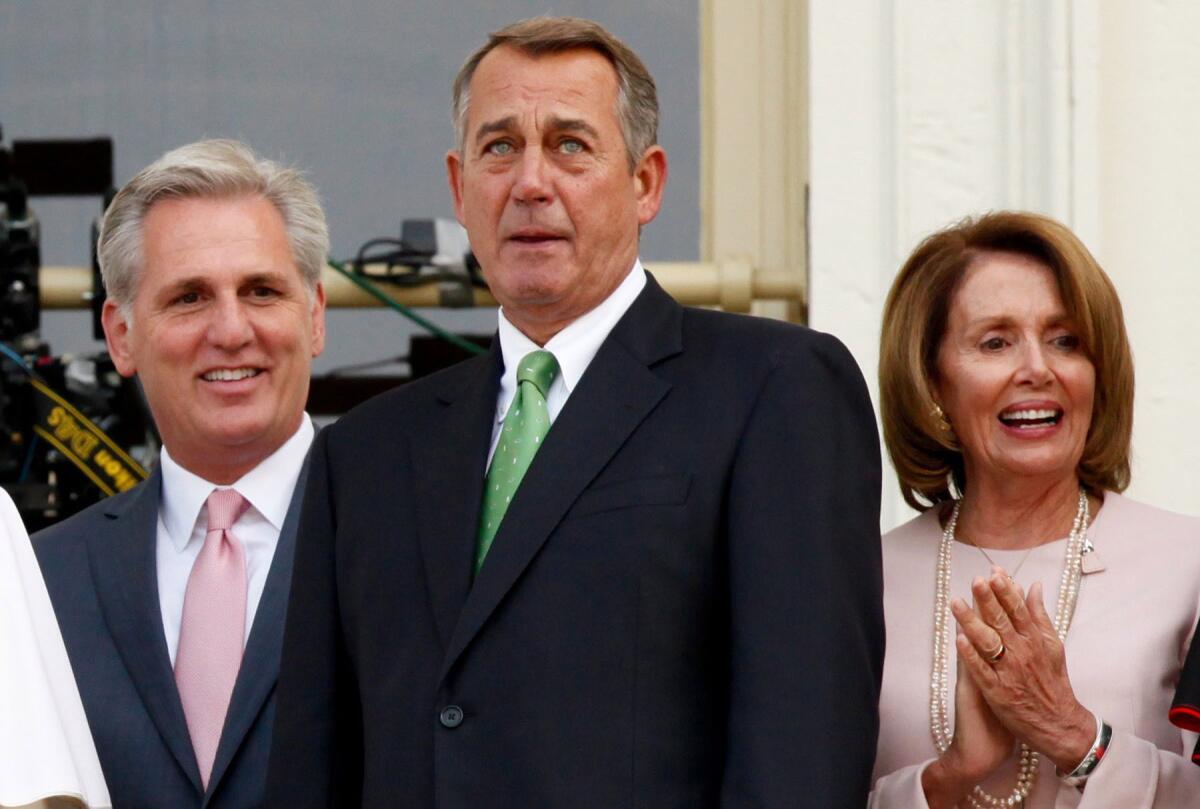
[925, 455]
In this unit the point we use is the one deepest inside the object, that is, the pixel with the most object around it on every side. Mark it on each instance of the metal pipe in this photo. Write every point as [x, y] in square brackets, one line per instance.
[732, 285]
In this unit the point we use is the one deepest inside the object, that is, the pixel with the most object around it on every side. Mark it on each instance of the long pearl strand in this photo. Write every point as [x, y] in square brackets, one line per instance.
[939, 686]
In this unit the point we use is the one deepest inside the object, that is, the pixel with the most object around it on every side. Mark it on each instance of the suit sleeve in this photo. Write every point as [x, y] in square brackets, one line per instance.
[806, 588]
[316, 751]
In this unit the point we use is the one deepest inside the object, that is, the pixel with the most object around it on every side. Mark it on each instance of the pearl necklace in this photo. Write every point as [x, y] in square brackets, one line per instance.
[939, 686]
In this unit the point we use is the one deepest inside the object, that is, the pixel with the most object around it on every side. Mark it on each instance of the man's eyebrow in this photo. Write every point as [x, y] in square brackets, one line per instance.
[196, 283]
[573, 125]
[555, 124]
[189, 284]
[499, 125]
[264, 277]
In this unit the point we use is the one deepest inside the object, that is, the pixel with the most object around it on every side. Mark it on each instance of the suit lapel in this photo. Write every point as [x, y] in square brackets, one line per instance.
[126, 577]
[614, 396]
[260, 664]
[448, 466]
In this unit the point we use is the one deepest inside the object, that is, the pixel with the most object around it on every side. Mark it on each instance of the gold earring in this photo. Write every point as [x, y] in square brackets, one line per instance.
[944, 426]
[943, 421]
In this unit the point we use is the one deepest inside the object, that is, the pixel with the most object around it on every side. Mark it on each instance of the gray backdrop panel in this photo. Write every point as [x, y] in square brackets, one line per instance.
[355, 93]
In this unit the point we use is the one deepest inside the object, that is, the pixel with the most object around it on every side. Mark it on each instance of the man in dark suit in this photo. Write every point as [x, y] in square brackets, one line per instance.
[172, 596]
[628, 558]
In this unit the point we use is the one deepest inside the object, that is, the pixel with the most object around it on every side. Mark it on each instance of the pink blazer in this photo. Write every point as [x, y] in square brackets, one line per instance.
[1133, 625]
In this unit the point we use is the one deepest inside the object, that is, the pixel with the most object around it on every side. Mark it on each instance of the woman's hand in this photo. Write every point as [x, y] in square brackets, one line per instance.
[981, 744]
[1024, 681]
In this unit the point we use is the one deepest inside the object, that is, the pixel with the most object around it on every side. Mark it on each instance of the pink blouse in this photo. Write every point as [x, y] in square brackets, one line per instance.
[1133, 624]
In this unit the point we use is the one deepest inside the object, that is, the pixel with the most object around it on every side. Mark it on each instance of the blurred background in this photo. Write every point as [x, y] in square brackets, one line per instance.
[812, 141]
[356, 94]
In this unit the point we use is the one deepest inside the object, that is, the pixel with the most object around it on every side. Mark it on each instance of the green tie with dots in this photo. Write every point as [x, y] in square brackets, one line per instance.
[525, 425]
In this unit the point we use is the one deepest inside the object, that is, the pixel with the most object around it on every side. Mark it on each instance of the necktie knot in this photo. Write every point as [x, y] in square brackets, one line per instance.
[224, 508]
[540, 368]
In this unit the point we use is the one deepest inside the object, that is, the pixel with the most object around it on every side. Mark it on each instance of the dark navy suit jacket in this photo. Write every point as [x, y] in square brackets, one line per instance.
[99, 568]
[682, 608]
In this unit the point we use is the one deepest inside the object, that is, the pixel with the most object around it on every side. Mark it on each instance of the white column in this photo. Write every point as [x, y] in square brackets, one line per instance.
[1144, 192]
[754, 137]
[923, 111]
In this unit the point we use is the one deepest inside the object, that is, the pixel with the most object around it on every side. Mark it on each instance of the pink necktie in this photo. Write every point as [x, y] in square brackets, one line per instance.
[214, 624]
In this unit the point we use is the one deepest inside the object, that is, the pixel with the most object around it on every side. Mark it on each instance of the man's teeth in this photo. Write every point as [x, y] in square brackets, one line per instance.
[230, 374]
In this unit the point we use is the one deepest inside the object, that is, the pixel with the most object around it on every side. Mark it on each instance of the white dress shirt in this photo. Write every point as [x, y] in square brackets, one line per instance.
[573, 347]
[183, 520]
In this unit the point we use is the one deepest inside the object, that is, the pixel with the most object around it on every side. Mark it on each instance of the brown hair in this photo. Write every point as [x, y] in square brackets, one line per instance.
[637, 98]
[925, 455]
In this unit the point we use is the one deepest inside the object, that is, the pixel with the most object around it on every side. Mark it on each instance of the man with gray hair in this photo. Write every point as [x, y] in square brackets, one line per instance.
[628, 558]
[171, 597]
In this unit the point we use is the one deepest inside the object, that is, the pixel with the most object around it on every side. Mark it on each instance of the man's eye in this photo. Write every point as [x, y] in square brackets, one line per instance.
[500, 148]
[570, 146]
[188, 298]
[263, 292]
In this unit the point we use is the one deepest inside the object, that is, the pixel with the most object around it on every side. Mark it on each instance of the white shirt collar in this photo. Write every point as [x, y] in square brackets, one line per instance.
[576, 345]
[268, 486]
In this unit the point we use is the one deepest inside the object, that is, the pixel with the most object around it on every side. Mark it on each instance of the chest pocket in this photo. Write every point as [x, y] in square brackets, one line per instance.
[663, 490]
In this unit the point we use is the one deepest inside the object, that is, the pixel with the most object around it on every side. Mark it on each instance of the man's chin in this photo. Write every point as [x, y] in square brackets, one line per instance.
[531, 291]
[519, 261]
[238, 433]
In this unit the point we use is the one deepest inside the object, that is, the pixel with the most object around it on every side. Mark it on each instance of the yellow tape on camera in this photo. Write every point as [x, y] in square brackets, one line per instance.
[83, 443]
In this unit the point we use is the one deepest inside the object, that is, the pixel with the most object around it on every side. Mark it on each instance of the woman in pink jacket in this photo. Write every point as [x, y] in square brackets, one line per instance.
[1037, 620]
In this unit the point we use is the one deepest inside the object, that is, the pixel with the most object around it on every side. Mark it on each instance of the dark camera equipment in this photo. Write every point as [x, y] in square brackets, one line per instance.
[20, 258]
[66, 421]
[428, 251]
[63, 420]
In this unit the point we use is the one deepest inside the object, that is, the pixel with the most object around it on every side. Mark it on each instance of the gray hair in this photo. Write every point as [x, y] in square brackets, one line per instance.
[637, 98]
[209, 169]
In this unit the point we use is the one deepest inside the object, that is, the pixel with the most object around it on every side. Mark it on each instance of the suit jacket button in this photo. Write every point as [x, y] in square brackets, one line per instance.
[451, 716]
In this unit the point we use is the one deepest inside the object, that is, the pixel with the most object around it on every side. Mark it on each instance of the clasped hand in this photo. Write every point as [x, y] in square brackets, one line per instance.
[1009, 648]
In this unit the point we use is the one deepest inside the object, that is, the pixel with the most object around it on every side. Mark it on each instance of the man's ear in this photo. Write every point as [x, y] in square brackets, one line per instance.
[318, 320]
[454, 169]
[649, 180]
[116, 334]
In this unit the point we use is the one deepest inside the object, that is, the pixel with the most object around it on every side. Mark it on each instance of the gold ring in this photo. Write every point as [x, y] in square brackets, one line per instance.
[995, 657]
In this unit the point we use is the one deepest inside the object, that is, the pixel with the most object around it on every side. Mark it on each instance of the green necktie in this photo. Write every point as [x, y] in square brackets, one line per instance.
[525, 425]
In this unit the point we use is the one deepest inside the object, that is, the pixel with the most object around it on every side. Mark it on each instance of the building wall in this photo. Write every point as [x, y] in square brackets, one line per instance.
[1146, 205]
[923, 111]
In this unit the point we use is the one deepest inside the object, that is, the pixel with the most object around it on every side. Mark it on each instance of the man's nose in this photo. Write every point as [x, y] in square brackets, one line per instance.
[229, 326]
[533, 184]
